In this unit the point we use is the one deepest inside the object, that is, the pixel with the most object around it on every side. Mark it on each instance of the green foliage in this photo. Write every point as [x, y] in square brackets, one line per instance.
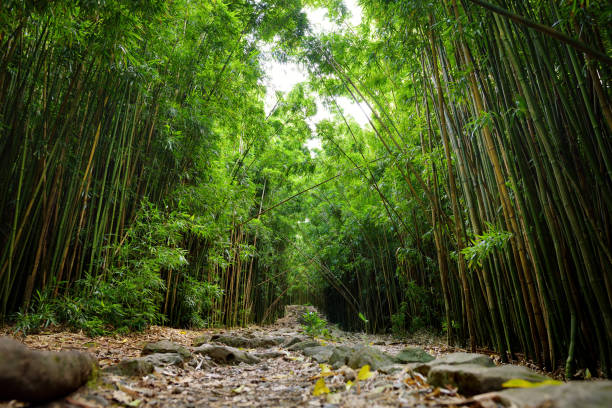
[484, 245]
[314, 325]
[454, 326]
[197, 301]
[41, 314]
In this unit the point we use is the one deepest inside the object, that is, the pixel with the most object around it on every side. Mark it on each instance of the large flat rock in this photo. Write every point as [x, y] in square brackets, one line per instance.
[247, 342]
[375, 358]
[596, 394]
[166, 346]
[473, 379]
[38, 376]
[413, 355]
[226, 354]
[455, 359]
[321, 354]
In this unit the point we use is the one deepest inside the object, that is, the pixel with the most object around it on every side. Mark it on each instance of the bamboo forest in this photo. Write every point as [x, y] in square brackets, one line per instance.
[434, 170]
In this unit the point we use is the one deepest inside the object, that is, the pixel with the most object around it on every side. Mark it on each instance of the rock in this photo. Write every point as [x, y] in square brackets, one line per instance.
[413, 355]
[165, 346]
[37, 376]
[369, 355]
[341, 355]
[203, 339]
[135, 367]
[391, 369]
[473, 379]
[226, 354]
[269, 354]
[596, 394]
[229, 340]
[320, 354]
[303, 345]
[456, 359]
[165, 359]
[244, 342]
[294, 340]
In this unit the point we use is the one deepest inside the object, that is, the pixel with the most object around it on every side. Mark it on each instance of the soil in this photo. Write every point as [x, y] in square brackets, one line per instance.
[286, 380]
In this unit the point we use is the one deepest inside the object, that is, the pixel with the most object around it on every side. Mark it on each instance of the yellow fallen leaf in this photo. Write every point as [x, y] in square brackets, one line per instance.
[519, 383]
[364, 373]
[348, 385]
[183, 332]
[320, 388]
[326, 370]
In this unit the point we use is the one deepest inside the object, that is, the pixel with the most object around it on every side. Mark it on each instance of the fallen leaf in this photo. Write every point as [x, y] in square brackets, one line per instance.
[364, 373]
[519, 383]
[239, 390]
[348, 385]
[121, 397]
[320, 388]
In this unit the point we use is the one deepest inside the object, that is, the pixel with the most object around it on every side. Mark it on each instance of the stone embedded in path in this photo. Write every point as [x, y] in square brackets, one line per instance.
[165, 359]
[413, 355]
[596, 394]
[341, 355]
[37, 376]
[226, 354]
[392, 369]
[303, 345]
[203, 339]
[455, 359]
[165, 346]
[294, 340]
[270, 354]
[372, 356]
[320, 354]
[245, 342]
[471, 379]
[134, 367]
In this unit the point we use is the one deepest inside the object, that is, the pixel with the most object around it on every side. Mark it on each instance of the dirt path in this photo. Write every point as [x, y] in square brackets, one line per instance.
[281, 367]
[287, 380]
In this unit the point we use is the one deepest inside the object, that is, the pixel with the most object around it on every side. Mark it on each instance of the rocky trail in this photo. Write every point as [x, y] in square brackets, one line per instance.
[272, 366]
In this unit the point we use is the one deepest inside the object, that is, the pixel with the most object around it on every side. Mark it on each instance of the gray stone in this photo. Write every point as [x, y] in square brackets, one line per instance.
[269, 354]
[135, 367]
[245, 342]
[596, 394]
[473, 379]
[203, 339]
[371, 356]
[226, 354]
[456, 359]
[165, 359]
[341, 356]
[303, 345]
[38, 376]
[392, 369]
[320, 354]
[165, 346]
[413, 355]
[294, 340]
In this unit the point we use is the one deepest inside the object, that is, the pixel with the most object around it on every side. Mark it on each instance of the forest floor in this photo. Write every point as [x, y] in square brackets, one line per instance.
[281, 377]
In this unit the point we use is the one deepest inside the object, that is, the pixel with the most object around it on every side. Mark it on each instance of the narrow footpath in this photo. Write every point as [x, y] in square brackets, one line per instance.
[279, 366]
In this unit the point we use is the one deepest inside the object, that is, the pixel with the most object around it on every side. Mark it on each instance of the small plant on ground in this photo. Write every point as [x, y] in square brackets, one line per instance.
[314, 325]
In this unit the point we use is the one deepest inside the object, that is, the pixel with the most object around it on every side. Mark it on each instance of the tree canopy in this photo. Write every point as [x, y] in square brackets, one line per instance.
[145, 182]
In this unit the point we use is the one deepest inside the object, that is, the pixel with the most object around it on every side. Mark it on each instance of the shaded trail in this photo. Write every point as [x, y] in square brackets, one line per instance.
[277, 367]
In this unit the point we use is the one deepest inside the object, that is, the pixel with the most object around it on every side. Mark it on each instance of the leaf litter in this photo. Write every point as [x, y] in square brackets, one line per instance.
[288, 380]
